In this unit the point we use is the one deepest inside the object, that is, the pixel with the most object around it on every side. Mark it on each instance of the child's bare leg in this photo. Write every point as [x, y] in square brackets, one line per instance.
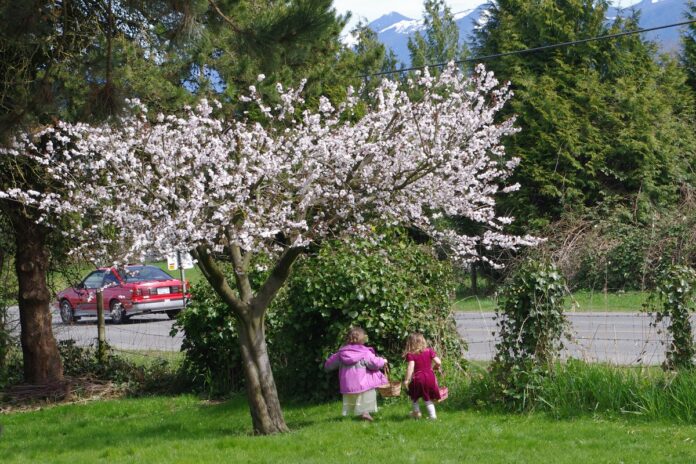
[366, 416]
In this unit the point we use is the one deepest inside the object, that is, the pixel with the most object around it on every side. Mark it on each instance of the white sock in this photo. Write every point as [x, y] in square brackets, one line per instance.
[431, 409]
[416, 407]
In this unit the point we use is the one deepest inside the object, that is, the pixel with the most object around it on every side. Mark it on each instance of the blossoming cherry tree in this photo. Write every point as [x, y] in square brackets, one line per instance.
[279, 183]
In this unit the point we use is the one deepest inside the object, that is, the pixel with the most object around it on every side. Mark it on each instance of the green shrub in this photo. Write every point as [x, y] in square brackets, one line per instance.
[154, 377]
[613, 250]
[390, 286]
[212, 360]
[12, 370]
[621, 264]
[531, 325]
[673, 300]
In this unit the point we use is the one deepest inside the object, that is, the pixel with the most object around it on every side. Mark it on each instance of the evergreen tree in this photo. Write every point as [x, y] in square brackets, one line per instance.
[440, 41]
[235, 41]
[601, 121]
[688, 57]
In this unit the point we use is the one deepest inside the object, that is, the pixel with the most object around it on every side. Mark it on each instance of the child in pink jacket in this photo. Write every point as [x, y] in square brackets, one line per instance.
[358, 374]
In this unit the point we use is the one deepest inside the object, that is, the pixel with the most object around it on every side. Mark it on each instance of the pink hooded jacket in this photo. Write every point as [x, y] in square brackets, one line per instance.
[358, 368]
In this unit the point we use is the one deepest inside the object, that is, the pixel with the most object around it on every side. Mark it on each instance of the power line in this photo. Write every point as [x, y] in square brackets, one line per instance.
[535, 49]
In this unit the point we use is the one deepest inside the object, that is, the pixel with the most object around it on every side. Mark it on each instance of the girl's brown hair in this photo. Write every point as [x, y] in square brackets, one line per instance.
[356, 336]
[415, 343]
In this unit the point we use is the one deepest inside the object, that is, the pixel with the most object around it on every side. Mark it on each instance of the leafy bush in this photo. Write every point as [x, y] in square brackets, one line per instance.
[612, 250]
[79, 361]
[622, 265]
[12, 370]
[389, 286]
[212, 360]
[531, 325]
[673, 300]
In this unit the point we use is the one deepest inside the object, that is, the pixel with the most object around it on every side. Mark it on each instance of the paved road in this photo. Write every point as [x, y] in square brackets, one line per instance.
[619, 338]
[146, 332]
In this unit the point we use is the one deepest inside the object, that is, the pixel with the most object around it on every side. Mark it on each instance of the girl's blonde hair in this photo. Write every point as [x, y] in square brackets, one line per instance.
[356, 336]
[415, 343]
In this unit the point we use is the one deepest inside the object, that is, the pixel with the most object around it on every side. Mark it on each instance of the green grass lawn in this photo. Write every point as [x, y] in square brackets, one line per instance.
[583, 301]
[185, 429]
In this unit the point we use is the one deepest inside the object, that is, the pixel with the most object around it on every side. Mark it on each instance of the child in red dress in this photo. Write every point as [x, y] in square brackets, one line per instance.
[420, 378]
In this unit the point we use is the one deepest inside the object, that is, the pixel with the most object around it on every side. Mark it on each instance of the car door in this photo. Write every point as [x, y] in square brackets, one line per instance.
[88, 291]
[113, 290]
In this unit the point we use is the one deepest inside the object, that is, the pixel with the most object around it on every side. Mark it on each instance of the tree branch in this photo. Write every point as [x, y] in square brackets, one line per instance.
[218, 281]
[275, 280]
[241, 275]
[225, 18]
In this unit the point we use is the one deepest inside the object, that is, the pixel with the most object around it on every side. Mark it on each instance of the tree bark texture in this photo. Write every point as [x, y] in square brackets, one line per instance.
[264, 405]
[42, 363]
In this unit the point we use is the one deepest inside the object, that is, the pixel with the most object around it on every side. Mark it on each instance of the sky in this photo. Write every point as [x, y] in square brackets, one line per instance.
[373, 9]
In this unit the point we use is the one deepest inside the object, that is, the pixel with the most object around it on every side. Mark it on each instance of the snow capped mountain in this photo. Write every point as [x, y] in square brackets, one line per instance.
[394, 29]
[655, 13]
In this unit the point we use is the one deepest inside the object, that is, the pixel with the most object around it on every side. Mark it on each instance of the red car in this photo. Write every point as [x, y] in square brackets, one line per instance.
[128, 290]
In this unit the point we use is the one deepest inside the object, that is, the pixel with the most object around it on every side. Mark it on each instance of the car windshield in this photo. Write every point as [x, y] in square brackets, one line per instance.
[144, 273]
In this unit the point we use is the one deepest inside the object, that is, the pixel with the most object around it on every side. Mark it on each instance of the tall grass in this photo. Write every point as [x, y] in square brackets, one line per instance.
[577, 389]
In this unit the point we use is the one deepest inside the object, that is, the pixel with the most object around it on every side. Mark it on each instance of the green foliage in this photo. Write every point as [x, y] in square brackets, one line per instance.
[8, 297]
[688, 55]
[531, 325]
[12, 369]
[622, 265]
[673, 301]
[575, 388]
[154, 377]
[390, 286]
[611, 250]
[440, 41]
[600, 120]
[212, 361]
[369, 56]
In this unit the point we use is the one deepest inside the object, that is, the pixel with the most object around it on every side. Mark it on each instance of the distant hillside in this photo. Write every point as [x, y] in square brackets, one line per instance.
[394, 29]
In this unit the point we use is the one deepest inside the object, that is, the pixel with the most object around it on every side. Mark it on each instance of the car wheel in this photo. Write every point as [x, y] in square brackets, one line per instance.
[117, 313]
[172, 313]
[66, 312]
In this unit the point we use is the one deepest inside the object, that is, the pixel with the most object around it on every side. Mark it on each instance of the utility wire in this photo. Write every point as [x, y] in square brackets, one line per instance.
[535, 49]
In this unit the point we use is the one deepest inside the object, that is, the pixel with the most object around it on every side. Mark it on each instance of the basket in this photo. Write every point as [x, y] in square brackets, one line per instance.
[391, 389]
[444, 391]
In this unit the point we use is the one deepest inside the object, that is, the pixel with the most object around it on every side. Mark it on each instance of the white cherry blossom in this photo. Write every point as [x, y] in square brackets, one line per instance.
[181, 181]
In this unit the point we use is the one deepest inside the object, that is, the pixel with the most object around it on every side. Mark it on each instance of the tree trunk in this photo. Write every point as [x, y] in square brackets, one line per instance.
[266, 414]
[474, 279]
[42, 364]
[264, 405]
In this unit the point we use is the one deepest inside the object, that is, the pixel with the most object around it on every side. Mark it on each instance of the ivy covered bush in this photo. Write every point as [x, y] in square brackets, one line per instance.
[673, 301]
[389, 286]
[531, 326]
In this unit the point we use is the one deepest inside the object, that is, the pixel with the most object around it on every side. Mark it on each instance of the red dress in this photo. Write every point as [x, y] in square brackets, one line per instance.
[423, 383]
